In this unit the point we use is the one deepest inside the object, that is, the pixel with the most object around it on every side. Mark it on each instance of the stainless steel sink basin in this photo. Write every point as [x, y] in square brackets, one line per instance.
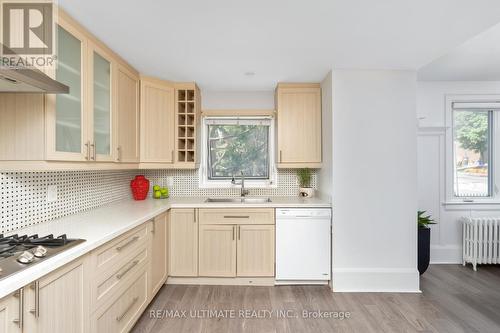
[239, 200]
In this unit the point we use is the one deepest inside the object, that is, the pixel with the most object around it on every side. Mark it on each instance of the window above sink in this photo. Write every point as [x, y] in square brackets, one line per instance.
[232, 145]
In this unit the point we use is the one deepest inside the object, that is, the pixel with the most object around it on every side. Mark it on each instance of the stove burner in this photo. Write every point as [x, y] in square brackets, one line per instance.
[20, 251]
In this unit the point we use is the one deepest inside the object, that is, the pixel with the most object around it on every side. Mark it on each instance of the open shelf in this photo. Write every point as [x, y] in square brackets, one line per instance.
[186, 108]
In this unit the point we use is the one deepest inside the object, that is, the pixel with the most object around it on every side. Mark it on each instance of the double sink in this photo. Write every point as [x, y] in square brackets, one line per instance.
[239, 200]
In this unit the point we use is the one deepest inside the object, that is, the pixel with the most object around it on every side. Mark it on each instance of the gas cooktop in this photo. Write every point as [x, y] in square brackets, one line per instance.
[19, 252]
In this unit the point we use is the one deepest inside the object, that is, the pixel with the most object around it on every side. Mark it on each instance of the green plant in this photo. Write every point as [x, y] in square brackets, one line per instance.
[304, 176]
[424, 221]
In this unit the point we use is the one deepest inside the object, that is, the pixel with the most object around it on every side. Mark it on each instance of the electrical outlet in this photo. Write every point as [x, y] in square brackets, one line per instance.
[170, 181]
[51, 193]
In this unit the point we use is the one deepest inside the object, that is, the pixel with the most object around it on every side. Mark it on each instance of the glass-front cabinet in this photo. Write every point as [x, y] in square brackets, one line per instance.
[101, 115]
[80, 124]
[66, 123]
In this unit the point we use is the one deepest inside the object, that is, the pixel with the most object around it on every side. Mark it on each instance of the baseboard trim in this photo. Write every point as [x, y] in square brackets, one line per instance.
[376, 280]
[236, 281]
[302, 282]
[446, 254]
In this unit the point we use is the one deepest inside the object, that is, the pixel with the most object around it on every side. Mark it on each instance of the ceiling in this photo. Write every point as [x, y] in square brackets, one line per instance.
[216, 42]
[478, 59]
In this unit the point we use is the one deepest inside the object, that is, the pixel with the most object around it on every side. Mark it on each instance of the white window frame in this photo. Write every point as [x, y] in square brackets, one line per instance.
[494, 198]
[205, 182]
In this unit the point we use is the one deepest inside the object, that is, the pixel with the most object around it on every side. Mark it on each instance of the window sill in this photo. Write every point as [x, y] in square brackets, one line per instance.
[475, 205]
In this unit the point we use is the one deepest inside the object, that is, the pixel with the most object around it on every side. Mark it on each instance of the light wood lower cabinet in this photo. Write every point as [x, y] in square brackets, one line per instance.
[255, 250]
[120, 313]
[183, 242]
[58, 302]
[159, 253]
[217, 251]
[10, 308]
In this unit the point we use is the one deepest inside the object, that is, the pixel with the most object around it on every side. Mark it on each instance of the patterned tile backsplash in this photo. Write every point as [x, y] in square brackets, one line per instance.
[23, 194]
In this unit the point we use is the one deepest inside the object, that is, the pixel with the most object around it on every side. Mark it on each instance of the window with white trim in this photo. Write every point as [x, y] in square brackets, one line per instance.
[473, 167]
[236, 145]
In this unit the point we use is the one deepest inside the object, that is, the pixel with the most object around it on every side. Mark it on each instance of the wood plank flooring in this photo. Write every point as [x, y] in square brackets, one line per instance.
[454, 299]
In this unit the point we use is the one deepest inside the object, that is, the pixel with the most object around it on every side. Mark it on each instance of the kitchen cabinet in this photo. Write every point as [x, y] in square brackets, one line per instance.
[236, 242]
[255, 250]
[217, 250]
[187, 120]
[159, 253]
[127, 115]
[10, 310]
[298, 125]
[100, 90]
[157, 121]
[67, 137]
[58, 301]
[183, 242]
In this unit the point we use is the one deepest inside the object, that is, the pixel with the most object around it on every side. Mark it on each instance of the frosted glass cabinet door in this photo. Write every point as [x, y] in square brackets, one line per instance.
[102, 105]
[69, 108]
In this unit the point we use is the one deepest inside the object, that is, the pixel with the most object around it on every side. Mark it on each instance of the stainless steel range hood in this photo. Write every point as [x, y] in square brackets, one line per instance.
[27, 79]
[24, 80]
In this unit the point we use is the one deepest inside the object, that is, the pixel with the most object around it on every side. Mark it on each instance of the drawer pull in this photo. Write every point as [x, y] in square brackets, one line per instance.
[122, 274]
[120, 317]
[236, 216]
[134, 239]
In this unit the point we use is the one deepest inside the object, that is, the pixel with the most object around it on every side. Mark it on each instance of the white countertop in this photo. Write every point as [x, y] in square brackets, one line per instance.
[100, 225]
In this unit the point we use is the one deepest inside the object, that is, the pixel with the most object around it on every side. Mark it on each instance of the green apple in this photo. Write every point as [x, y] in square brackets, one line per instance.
[157, 194]
[156, 188]
[164, 192]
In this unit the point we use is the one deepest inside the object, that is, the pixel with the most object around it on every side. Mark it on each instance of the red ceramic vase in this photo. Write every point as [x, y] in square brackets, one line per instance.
[140, 187]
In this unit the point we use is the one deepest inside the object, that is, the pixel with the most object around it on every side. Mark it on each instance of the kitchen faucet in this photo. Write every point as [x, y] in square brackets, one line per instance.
[244, 191]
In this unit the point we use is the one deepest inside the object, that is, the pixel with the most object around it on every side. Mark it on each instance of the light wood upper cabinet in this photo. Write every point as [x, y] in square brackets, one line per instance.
[159, 253]
[100, 117]
[298, 125]
[183, 242]
[217, 250]
[9, 314]
[66, 125]
[157, 121]
[127, 115]
[255, 250]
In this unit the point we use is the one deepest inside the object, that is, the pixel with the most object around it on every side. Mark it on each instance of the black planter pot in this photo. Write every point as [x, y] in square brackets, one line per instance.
[424, 249]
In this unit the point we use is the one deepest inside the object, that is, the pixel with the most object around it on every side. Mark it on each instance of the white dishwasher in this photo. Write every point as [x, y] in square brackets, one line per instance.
[303, 245]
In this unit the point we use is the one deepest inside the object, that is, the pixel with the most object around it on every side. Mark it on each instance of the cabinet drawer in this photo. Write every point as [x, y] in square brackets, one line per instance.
[105, 285]
[236, 216]
[120, 314]
[113, 252]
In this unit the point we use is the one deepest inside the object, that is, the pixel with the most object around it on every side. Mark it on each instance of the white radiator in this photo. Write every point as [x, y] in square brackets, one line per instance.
[481, 237]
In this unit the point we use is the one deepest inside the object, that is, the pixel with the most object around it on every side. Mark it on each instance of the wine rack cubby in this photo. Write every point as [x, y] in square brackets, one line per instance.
[187, 106]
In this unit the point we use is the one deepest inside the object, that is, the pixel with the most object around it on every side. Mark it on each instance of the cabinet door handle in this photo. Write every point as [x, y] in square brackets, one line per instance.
[122, 274]
[121, 247]
[120, 317]
[20, 320]
[239, 232]
[92, 151]
[173, 156]
[153, 227]
[233, 232]
[236, 216]
[119, 153]
[87, 150]
[281, 156]
[36, 310]
[195, 218]
[95, 151]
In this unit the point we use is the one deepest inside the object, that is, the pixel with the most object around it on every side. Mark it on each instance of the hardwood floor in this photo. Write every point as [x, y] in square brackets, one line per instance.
[453, 299]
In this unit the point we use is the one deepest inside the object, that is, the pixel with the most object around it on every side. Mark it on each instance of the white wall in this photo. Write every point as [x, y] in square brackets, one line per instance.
[374, 175]
[446, 236]
[250, 100]
[325, 175]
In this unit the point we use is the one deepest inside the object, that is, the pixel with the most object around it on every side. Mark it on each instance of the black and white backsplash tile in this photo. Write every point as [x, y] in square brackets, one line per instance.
[23, 195]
